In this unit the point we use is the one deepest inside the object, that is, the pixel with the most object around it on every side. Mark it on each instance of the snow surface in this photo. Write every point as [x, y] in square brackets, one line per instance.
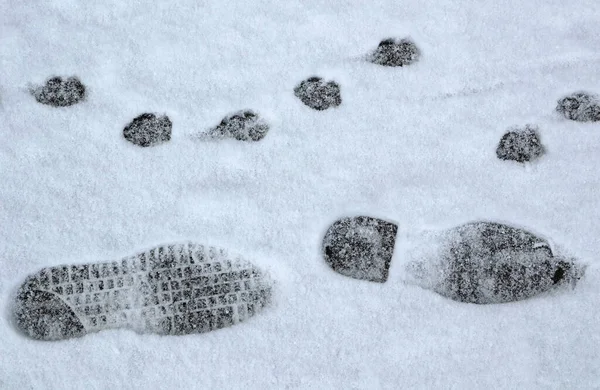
[413, 145]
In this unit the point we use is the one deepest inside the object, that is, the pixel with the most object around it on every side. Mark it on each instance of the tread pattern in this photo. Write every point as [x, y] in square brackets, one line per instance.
[172, 289]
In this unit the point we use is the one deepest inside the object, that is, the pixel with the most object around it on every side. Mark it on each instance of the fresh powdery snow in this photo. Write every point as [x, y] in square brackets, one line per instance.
[172, 174]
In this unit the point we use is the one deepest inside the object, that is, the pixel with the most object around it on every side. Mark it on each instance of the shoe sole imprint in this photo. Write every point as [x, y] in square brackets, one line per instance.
[360, 247]
[170, 290]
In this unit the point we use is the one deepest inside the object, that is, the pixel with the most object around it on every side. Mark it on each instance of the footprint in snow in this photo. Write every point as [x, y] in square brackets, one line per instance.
[580, 107]
[360, 247]
[478, 262]
[244, 125]
[520, 145]
[148, 130]
[318, 94]
[487, 262]
[395, 53]
[59, 92]
[174, 289]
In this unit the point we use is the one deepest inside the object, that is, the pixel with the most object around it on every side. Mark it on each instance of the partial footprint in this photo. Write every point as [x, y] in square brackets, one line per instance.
[173, 289]
[488, 262]
[245, 125]
[360, 247]
[580, 107]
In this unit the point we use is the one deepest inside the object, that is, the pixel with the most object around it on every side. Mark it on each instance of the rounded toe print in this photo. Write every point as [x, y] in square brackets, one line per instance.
[395, 52]
[580, 107]
[43, 315]
[175, 289]
[360, 247]
[318, 94]
[488, 262]
[58, 92]
[148, 130]
[520, 145]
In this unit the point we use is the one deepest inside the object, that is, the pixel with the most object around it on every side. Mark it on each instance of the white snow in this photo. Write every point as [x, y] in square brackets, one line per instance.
[414, 145]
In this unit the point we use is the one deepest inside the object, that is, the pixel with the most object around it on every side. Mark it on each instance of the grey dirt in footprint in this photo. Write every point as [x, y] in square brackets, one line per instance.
[148, 130]
[488, 262]
[173, 289]
[580, 107]
[245, 125]
[520, 144]
[395, 52]
[318, 94]
[360, 247]
[58, 92]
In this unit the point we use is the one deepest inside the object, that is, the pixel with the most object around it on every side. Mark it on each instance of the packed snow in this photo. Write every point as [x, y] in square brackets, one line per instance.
[414, 145]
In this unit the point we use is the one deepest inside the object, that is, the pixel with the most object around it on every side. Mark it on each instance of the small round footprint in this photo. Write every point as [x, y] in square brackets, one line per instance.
[58, 92]
[318, 94]
[148, 130]
[520, 145]
[395, 53]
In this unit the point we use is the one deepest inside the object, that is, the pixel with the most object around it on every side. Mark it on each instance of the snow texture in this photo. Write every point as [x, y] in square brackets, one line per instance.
[360, 247]
[520, 144]
[411, 145]
[148, 130]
